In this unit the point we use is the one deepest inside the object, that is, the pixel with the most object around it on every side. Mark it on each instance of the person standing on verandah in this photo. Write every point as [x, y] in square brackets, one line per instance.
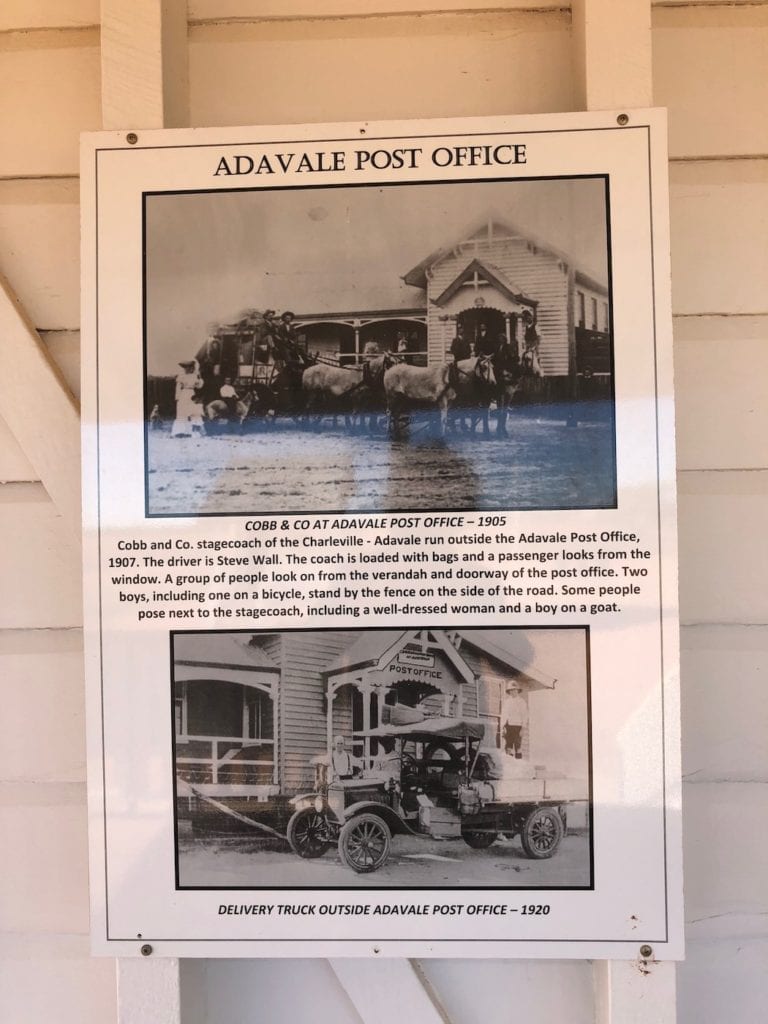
[514, 718]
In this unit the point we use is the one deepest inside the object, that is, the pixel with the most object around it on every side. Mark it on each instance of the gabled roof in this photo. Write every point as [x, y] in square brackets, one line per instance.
[365, 651]
[377, 651]
[486, 228]
[506, 646]
[220, 650]
[497, 278]
[417, 276]
[503, 646]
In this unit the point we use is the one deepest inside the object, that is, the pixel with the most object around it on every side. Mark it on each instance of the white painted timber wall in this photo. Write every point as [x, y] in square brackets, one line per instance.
[256, 61]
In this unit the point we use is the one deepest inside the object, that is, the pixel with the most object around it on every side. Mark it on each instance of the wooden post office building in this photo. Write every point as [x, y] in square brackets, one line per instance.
[253, 709]
[490, 277]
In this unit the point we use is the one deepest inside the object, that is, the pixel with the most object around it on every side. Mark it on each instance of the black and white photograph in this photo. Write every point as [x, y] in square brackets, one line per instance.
[379, 348]
[385, 758]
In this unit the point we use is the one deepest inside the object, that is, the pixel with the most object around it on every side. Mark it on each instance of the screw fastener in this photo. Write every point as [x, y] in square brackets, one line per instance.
[131, 138]
[622, 119]
[646, 952]
[146, 949]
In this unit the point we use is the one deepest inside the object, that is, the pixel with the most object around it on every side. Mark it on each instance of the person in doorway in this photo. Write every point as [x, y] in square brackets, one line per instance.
[514, 718]
[485, 345]
[344, 764]
[461, 347]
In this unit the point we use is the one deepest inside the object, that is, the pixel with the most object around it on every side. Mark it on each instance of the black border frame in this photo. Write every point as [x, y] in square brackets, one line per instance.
[389, 888]
[613, 504]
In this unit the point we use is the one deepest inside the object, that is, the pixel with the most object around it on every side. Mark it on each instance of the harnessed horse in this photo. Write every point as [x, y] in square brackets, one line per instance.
[330, 389]
[370, 399]
[508, 379]
[476, 388]
[416, 387]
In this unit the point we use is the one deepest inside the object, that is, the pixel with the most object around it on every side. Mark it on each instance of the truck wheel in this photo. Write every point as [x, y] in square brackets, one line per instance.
[364, 843]
[307, 833]
[478, 840]
[541, 832]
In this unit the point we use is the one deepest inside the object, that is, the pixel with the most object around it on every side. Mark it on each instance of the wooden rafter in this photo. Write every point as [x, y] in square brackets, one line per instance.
[39, 408]
[385, 990]
[145, 84]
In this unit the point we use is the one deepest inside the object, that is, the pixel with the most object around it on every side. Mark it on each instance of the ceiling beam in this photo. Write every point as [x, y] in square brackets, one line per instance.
[39, 408]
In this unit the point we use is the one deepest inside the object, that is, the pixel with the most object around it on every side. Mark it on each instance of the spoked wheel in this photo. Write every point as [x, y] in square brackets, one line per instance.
[364, 843]
[478, 840]
[541, 832]
[308, 833]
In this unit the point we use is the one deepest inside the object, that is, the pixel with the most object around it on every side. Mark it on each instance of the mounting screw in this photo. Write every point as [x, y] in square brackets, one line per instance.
[376, 949]
[146, 949]
[646, 952]
[622, 119]
[131, 138]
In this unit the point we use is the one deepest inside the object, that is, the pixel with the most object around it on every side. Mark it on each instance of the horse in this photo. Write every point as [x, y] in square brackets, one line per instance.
[330, 389]
[506, 365]
[283, 395]
[370, 398]
[476, 388]
[408, 387]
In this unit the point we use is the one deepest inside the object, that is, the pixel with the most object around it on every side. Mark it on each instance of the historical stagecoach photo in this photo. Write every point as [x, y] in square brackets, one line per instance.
[388, 757]
[382, 348]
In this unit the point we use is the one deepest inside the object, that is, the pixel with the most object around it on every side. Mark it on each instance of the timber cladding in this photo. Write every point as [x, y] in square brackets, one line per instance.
[265, 704]
[302, 708]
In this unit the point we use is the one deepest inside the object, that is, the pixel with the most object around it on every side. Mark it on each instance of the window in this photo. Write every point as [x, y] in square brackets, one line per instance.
[593, 306]
[606, 325]
[258, 715]
[581, 314]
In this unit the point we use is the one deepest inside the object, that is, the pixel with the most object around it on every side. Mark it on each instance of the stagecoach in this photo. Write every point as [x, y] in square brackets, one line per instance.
[241, 355]
[433, 779]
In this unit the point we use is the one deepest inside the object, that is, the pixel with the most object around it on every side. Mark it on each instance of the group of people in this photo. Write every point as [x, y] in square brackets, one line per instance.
[273, 339]
[275, 336]
[483, 343]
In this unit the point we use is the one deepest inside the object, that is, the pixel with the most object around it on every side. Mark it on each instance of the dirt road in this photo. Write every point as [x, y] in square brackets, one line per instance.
[543, 464]
[413, 862]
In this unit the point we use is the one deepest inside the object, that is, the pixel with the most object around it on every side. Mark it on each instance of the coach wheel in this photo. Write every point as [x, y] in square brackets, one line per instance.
[541, 832]
[364, 843]
[308, 833]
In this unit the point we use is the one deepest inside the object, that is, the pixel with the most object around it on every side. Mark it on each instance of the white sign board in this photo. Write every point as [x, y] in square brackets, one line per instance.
[379, 533]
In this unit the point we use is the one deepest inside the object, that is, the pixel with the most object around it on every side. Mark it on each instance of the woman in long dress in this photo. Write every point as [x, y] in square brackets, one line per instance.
[189, 418]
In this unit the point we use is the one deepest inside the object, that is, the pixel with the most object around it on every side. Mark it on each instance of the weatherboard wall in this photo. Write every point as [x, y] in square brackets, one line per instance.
[537, 274]
[272, 66]
[303, 729]
[494, 678]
